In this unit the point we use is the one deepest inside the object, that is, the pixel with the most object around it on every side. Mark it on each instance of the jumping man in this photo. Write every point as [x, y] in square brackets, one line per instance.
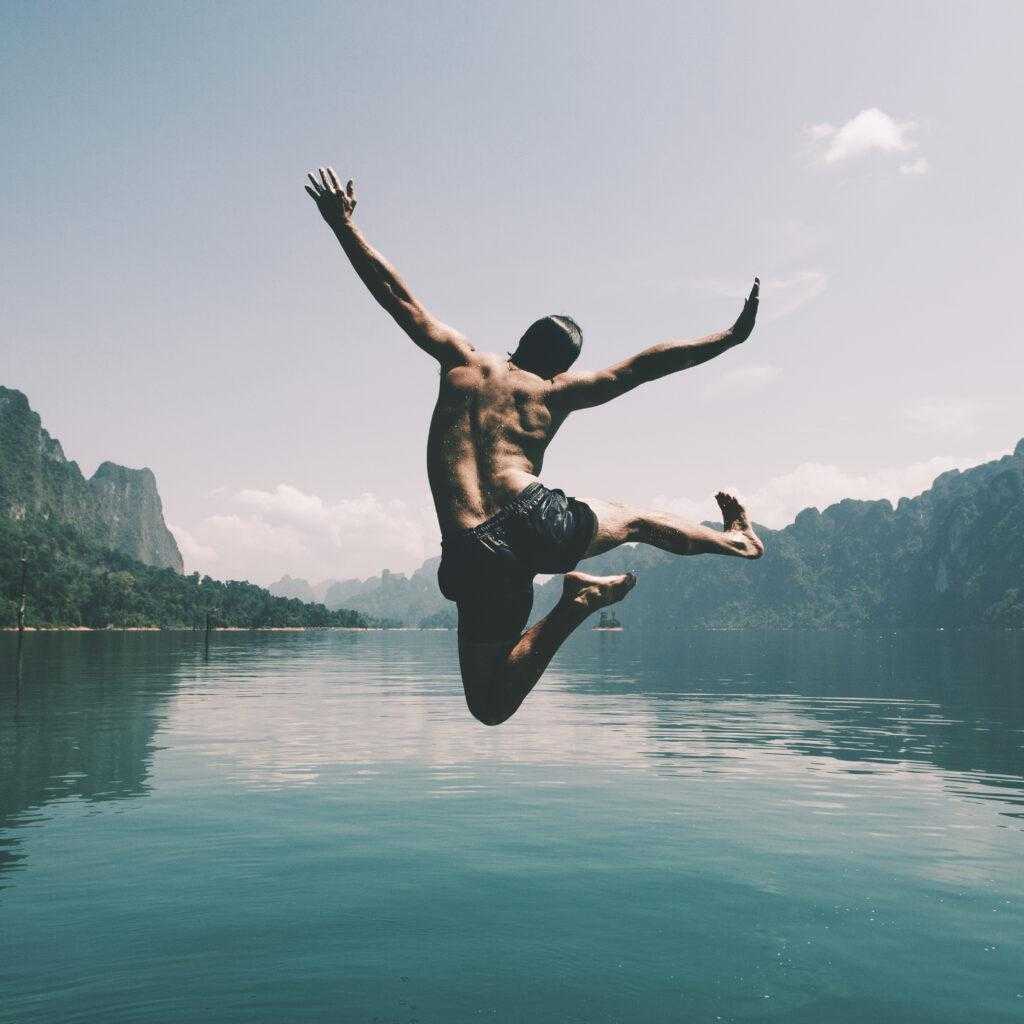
[500, 526]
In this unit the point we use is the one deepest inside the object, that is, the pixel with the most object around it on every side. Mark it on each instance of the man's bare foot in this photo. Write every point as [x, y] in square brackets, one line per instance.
[734, 515]
[593, 592]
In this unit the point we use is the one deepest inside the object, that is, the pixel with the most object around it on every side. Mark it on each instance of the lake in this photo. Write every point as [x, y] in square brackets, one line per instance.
[696, 826]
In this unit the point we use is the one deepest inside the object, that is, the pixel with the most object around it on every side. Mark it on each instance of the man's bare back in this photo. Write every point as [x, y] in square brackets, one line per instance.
[500, 525]
[491, 426]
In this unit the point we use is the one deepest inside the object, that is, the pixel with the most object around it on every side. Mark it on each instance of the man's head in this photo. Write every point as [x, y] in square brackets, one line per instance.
[549, 346]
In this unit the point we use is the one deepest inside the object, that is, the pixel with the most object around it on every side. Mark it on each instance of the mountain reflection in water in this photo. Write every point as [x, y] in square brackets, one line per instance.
[740, 786]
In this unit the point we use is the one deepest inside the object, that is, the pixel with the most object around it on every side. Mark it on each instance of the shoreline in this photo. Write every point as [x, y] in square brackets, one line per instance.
[862, 630]
[225, 629]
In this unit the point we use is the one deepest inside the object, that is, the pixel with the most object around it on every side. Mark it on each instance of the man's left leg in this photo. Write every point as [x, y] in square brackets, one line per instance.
[620, 524]
[497, 677]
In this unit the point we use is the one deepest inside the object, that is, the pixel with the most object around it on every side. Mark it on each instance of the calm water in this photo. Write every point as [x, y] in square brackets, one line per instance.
[694, 827]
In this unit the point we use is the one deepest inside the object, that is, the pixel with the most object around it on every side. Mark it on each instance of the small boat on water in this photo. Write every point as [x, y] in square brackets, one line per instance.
[608, 623]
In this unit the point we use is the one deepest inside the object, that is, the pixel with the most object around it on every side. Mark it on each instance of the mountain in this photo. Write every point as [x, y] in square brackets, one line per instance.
[395, 597]
[288, 586]
[72, 580]
[133, 515]
[390, 597]
[98, 552]
[951, 557]
[117, 508]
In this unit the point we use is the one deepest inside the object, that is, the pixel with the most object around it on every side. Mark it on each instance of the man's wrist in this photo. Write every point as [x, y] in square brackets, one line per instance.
[342, 226]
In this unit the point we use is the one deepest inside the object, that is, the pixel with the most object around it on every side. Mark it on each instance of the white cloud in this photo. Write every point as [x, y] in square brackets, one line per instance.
[940, 417]
[250, 533]
[871, 131]
[918, 166]
[776, 502]
[780, 296]
[287, 530]
[195, 555]
[391, 524]
[742, 382]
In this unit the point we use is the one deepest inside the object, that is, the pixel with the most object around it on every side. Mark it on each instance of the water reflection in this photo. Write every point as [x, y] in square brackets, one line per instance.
[80, 715]
[314, 827]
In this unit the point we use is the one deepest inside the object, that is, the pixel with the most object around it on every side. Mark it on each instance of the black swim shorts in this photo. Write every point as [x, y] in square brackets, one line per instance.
[488, 570]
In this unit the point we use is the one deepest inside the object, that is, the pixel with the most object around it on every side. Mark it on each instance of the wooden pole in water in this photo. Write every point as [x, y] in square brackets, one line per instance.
[21, 607]
[17, 670]
[209, 628]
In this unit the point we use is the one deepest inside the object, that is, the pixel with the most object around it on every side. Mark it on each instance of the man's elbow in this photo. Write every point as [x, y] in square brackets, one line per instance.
[625, 380]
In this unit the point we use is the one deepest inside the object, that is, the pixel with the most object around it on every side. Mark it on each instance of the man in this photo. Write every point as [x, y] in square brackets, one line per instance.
[500, 526]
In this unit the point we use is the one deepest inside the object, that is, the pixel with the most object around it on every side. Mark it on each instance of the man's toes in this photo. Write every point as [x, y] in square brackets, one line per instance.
[728, 505]
[619, 587]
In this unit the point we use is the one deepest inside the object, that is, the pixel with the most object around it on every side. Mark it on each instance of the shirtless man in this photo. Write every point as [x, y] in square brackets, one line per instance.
[500, 526]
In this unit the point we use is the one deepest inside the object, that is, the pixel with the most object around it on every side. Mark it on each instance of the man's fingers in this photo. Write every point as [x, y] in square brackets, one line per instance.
[350, 188]
[313, 195]
[316, 185]
[323, 177]
[756, 290]
[334, 180]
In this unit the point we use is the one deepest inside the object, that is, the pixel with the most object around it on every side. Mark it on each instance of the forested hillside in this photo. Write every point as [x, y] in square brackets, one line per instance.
[72, 581]
[117, 507]
[951, 557]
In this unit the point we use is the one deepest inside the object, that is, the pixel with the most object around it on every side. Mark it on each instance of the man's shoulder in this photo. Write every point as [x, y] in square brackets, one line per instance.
[473, 356]
[489, 360]
[486, 365]
[477, 370]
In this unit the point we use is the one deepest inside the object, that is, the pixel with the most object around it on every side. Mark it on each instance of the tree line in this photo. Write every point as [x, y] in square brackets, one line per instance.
[72, 581]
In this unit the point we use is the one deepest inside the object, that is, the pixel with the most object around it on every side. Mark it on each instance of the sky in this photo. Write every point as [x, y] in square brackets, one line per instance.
[172, 299]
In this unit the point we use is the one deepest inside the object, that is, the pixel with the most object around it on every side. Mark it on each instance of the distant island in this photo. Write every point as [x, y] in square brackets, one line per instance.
[98, 553]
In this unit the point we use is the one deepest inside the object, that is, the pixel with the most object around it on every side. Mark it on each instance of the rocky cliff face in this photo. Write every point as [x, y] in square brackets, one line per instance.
[119, 508]
[35, 476]
[132, 515]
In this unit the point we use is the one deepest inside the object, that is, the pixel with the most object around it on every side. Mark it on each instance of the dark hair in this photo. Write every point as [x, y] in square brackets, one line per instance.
[549, 346]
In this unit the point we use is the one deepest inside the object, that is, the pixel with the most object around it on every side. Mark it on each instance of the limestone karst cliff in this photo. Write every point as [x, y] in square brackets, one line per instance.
[117, 507]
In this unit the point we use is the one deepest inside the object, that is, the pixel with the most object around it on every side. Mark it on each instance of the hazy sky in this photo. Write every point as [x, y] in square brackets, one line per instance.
[171, 297]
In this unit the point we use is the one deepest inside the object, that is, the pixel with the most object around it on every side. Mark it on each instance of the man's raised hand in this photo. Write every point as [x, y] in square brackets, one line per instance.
[745, 321]
[334, 202]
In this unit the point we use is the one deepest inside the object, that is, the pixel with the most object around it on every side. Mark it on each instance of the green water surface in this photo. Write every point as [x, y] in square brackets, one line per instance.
[697, 826]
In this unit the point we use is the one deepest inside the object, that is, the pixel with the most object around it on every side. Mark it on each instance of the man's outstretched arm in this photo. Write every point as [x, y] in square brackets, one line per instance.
[336, 205]
[583, 390]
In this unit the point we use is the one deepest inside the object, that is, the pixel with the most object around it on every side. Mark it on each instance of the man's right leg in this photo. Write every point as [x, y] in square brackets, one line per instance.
[620, 524]
[498, 676]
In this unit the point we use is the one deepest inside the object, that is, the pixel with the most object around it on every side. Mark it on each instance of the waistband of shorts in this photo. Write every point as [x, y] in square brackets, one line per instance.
[522, 502]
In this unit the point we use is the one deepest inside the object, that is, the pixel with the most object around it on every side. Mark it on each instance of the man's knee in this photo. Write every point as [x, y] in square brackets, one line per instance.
[483, 698]
[483, 668]
[487, 715]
